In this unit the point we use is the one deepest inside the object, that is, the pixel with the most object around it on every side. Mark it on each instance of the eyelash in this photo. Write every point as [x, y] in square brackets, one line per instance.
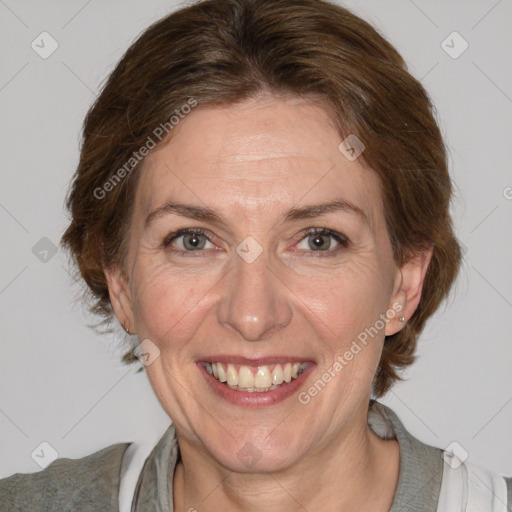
[339, 237]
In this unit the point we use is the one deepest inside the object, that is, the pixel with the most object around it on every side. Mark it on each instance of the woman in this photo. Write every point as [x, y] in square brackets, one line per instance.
[263, 199]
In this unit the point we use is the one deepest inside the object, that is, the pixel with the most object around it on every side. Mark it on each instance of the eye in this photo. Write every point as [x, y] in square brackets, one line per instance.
[188, 240]
[321, 240]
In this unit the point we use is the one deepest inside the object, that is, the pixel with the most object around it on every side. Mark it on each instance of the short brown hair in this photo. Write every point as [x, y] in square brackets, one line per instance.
[224, 51]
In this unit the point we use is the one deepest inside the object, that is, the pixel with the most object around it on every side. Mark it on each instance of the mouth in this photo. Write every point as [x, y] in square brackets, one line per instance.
[255, 379]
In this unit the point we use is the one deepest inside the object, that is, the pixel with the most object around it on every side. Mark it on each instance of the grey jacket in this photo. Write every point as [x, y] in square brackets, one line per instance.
[92, 483]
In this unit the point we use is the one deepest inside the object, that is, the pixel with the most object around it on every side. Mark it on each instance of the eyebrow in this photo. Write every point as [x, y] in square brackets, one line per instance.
[294, 214]
[309, 212]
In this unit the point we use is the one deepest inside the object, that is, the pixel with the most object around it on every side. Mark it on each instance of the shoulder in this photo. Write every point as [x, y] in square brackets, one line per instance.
[474, 486]
[87, 484]
[436, 480]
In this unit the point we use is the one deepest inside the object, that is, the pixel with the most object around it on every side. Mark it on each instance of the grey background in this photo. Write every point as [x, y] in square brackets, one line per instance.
[62, 384]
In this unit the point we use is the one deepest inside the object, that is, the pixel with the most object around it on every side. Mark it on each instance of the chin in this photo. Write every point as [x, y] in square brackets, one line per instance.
[258, 451]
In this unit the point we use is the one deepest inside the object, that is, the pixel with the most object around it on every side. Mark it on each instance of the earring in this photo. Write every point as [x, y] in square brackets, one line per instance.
[127, 330]
[402, 319]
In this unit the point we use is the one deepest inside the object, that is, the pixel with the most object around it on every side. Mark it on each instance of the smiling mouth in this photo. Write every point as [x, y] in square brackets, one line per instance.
[255, 379]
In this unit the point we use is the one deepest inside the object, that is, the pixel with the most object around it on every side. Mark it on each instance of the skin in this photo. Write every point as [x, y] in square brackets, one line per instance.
[251, 162]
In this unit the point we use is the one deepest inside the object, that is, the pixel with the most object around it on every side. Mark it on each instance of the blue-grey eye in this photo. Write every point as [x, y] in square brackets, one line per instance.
[194, 241]
[189, 241]
[321, 241]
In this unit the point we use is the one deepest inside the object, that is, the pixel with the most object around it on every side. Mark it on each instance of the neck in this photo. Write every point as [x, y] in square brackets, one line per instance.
[353, 470]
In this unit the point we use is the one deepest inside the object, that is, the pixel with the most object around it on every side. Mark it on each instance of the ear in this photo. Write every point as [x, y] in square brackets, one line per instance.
[120, 297]
[408, 287]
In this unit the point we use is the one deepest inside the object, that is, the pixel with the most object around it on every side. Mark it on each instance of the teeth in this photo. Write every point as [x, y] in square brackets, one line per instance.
[220, 370]
[277, 375]
[245, 378]
[232, 375]
[287, 372]
[263, 380]
[254, 390]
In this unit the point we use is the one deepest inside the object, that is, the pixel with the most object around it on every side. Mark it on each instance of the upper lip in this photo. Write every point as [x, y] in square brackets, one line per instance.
[249, 361]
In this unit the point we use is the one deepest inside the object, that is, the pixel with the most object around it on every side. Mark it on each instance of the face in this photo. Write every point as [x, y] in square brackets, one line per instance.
[284, 262]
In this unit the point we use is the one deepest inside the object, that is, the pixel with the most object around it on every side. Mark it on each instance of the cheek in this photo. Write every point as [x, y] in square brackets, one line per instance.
[169, 305]
[345, 311]
[346, 301]
[333, 305]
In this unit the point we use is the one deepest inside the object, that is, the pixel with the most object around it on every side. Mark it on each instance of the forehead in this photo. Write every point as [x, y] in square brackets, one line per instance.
[256, 156]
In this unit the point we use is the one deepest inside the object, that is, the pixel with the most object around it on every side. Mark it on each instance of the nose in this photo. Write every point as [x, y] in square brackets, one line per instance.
[253, 300]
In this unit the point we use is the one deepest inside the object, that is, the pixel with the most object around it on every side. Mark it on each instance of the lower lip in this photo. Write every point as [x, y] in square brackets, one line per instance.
[256, 398]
